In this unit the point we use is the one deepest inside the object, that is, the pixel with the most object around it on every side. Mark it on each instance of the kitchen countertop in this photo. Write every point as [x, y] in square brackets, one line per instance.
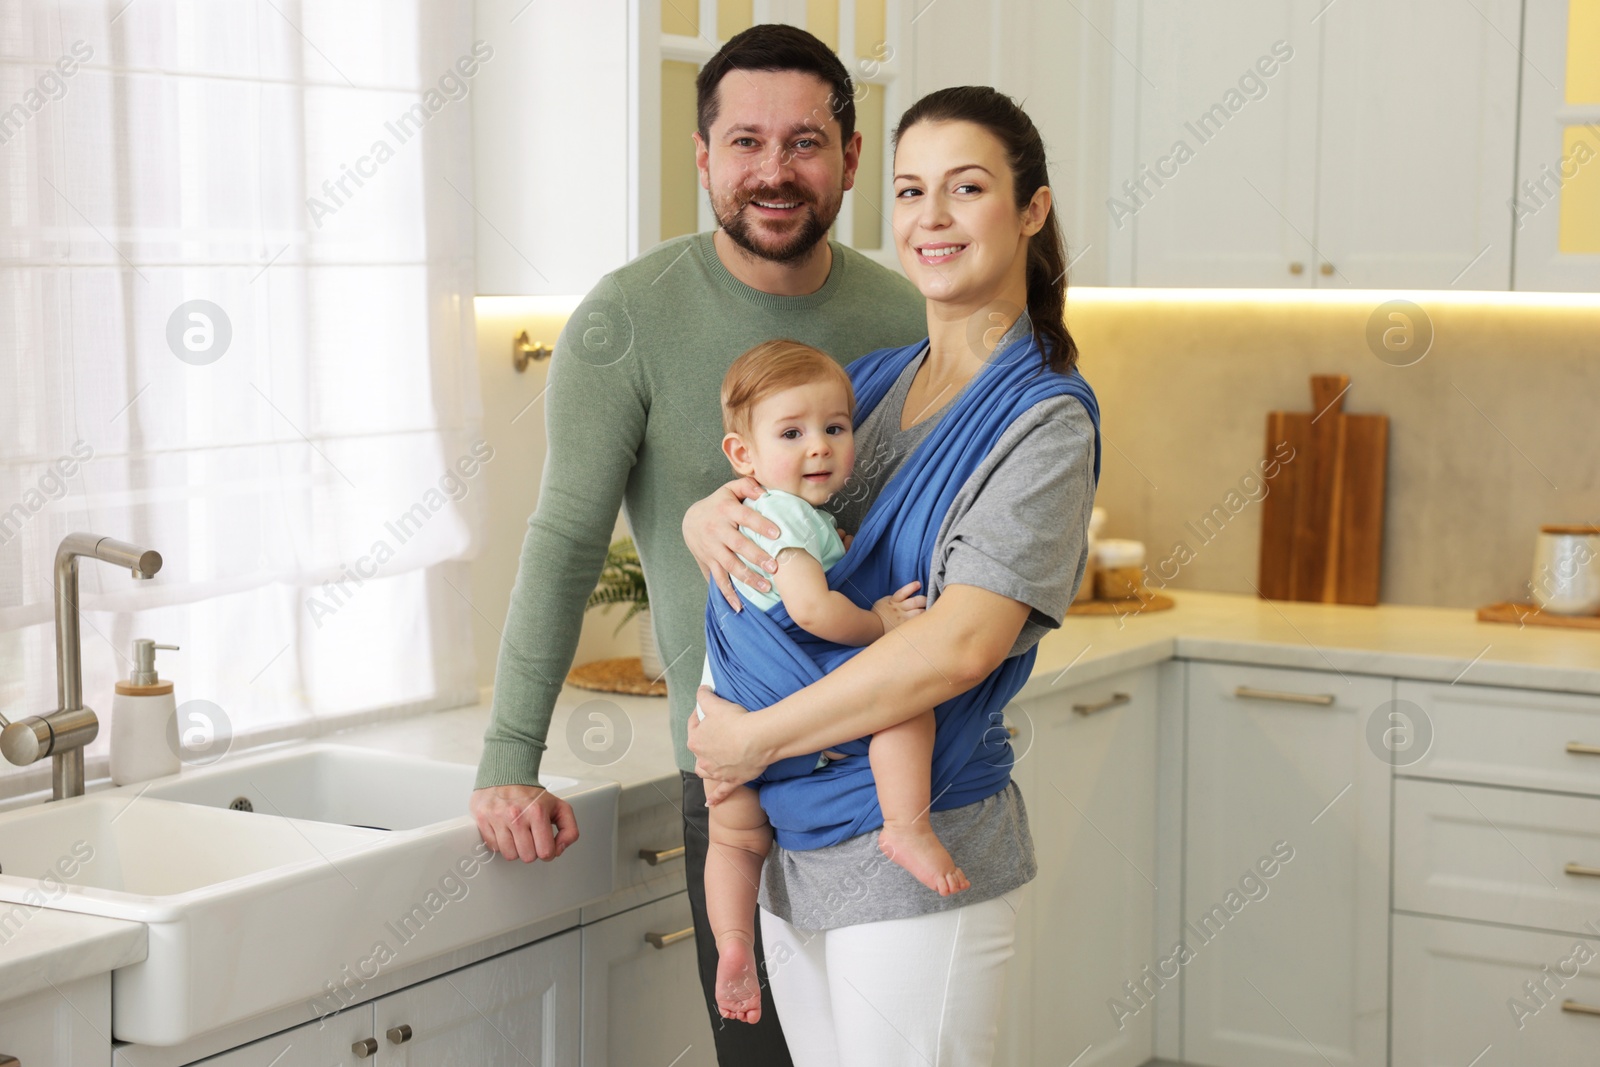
[1419, 643]
[1426, 644]
[47, 949]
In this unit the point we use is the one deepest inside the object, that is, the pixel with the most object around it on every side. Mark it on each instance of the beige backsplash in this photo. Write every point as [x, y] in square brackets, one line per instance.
[1184, 387]
[1494, 432]
[513, 422]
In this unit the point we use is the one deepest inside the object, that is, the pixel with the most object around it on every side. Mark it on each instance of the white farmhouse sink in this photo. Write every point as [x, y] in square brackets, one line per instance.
[252, 911]
[109, 849]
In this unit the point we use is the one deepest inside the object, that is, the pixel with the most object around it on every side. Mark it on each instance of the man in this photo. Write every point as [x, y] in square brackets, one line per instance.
[633, 418]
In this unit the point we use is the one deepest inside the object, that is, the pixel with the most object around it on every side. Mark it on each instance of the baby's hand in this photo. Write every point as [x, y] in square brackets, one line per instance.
[896, 609]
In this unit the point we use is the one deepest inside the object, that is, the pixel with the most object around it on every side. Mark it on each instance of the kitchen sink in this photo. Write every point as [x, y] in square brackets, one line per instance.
[335, 784]
[110, 851]
[350, 863]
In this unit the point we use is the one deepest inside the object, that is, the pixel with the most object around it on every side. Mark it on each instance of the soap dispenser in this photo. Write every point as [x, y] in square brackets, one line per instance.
[140, 714]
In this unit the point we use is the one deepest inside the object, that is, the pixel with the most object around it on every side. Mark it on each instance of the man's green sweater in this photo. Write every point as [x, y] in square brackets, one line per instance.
[633, 419]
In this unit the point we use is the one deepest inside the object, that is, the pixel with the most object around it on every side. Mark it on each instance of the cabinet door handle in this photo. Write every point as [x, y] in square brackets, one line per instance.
[1322, 699]
[399, 1035]
[1113, 701]
[1580, 1009]
[367, 1046]
[1297, 267]
[1326, 268]
[1012, 731]
[1587, 872]
[1578, 748]
[663, 940]
[657, 856]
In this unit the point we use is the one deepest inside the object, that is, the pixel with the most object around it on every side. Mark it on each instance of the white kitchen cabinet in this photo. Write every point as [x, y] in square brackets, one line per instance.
[1468, 993]
[1301, 144]
[1087, 770]
[521, 1007]
[1223, 189]
[1558, 158]
[1286, 869]
[345, 1040]
[68, 1026]
[1060, 61]
[1417, 144]
[1014, 1044]
[642, 1000]
[650, 855]
[1521, 738]
[1511, 856]
[1497, 877]
[552, 187]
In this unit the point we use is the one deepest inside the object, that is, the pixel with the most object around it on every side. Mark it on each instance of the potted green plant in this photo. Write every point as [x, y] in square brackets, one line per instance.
[622, 582]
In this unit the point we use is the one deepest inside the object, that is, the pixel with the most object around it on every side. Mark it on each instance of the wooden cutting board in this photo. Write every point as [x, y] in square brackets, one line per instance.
[1322, 517]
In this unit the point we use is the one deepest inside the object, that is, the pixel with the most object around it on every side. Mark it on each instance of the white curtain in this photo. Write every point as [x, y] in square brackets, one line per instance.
[291, 177]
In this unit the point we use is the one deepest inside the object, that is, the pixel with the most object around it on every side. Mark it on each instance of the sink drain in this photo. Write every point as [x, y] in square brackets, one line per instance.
[242, 804]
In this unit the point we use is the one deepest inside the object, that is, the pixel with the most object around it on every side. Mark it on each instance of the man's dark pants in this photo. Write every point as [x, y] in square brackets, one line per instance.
[738, 1044]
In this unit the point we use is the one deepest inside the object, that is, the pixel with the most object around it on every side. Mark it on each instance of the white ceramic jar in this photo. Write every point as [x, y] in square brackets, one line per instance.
[1566, 570]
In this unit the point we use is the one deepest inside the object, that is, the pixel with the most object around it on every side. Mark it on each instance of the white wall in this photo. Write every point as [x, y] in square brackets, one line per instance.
[513, 423]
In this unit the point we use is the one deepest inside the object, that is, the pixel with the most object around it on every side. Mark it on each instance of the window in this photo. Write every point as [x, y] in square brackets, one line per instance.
[235, 270]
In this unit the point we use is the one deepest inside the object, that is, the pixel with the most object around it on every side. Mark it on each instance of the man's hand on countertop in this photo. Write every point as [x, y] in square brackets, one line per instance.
[525, 822]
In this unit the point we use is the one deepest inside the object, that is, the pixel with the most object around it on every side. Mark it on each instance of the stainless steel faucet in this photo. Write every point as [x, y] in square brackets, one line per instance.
[63, 733]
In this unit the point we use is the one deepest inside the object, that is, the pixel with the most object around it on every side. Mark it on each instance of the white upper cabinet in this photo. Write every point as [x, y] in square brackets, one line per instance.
[1558, 162]
[1060, 62]
[1237, 143]
[1298, 143]
[1418, 144]
[1222, 187]
[552, 152]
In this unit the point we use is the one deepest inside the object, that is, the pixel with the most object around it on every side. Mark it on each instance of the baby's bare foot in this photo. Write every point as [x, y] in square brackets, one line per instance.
[916, 847]
[738, 988]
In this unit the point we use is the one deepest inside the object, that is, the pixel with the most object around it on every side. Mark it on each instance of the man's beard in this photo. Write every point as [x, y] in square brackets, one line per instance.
[813, 229]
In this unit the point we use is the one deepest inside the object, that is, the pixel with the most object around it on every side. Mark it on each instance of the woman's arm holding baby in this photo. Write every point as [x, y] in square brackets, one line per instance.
[832, 616]
[935, 656]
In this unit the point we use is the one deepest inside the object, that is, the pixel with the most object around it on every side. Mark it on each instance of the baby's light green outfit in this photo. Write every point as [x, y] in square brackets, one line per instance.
[799, 526]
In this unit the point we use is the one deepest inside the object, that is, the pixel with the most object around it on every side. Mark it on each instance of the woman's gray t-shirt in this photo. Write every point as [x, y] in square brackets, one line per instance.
[1018, 527]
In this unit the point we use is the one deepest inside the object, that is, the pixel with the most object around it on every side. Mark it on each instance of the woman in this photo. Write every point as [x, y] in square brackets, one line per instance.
[979, 452]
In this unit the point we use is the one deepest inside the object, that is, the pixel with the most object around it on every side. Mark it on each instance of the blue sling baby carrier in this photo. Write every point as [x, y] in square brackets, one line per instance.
[758, 658]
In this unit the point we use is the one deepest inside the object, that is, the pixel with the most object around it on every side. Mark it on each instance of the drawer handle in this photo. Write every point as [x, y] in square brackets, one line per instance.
[1578, 748]
[367, 1046]
[657, 856]
[1113, 701]
[1323, 699]
[1587, 872]
[663, 940]
[399, 1035]
[1580, 1009]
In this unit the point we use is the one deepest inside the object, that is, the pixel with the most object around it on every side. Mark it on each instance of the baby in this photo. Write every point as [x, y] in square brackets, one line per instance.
[787, 411]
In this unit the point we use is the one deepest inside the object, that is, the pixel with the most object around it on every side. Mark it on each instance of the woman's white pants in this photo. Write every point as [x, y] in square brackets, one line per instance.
[919, 992]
